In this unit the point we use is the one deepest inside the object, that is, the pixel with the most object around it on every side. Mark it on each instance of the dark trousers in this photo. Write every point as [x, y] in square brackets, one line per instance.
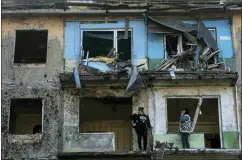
[144, 137]
[185, 142]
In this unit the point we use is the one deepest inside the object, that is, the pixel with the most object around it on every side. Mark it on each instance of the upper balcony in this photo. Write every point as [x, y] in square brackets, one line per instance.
[149, 52]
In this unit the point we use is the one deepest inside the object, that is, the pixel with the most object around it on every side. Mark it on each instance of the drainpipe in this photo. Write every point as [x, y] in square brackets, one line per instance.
[238, 117]
[154, 113]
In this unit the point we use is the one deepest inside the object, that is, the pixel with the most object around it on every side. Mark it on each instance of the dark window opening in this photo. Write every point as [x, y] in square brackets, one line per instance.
[185, 45]
[101, 43]
[207, 123]
[30, 46]
[98, 43]
[25, 116]
[37, 129]
[124, 46]
[171, 44]
[108, 114]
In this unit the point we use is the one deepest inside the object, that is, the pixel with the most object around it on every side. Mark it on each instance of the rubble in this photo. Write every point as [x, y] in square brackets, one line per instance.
[195, 48]
[202, 45]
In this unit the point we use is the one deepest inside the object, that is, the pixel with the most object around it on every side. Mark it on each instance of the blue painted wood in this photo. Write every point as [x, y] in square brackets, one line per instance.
[223, 33]
[156, 46]
[72, 40]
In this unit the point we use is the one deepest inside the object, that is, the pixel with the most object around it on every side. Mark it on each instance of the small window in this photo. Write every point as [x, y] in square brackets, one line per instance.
[173, 44]
[25, 116]
[30, 46]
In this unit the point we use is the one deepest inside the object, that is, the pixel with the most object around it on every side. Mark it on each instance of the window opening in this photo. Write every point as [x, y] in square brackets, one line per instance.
[108, 114]
[30, 46]
[25, 116]
[207, 123]
[98, 43]
[101, 43]
[124, 46]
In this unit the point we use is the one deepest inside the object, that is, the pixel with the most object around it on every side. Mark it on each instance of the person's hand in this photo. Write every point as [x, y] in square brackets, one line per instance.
[183, 112]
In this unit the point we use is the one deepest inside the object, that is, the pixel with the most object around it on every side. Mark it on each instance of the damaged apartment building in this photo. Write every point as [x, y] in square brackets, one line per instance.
[73, 72]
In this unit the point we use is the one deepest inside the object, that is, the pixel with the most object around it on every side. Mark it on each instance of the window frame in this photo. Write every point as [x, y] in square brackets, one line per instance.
[115, 38]
[218, 97]
[179, 35]
[42, 114]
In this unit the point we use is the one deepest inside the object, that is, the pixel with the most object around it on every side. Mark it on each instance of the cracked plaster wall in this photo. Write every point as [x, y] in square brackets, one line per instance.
[32, 74]
[236, 31]
[71, 113]
[32, 81]
[31, 146]
[73, 141]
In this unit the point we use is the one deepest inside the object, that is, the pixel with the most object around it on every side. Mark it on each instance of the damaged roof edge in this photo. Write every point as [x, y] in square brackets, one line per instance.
[60, 12]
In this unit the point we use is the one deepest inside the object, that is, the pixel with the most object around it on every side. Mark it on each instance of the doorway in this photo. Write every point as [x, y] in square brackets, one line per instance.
[108, 114]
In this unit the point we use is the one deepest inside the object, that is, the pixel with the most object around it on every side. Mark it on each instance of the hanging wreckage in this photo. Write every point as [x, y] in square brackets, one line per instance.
[199, 53]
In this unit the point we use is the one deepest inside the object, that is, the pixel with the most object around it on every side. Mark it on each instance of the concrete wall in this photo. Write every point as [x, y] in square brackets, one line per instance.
[158, 111]
[196, 140]
[236, 30]
[32, 81]
[72, 139]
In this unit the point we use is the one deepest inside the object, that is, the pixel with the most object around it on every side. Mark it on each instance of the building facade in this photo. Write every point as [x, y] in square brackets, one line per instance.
[70, 78]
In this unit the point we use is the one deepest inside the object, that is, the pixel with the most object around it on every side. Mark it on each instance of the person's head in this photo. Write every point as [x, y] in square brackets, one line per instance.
[141, 110]
[186, 111]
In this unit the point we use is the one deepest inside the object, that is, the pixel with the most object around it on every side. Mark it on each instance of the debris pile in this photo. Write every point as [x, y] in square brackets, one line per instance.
[190, 47]
[198, 49]
[161, 147]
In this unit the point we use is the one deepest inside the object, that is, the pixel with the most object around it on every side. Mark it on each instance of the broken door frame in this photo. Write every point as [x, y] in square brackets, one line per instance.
[197, 97]
[115, 41]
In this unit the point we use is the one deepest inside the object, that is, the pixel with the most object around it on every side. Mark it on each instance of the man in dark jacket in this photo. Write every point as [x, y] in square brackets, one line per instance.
[141, 123]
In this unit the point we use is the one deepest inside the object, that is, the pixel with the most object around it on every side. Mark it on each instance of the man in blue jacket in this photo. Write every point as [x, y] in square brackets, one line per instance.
[185, 127]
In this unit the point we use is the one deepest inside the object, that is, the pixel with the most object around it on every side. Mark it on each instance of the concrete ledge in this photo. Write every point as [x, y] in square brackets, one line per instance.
[30, 138]
[155, 79]
[123, 155]
[196, 140]
[90, 142]
[191, 154]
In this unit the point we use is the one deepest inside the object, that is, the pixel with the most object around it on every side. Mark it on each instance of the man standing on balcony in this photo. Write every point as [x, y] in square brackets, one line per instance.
[185, 127]
[141, 123]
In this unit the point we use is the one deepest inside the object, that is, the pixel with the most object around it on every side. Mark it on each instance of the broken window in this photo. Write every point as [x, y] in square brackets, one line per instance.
[108, 115]
[25, 116]
[172, 44]
[103, 43]
[214, 59]
[30, 46]
[208, 119]
[124, 45]
[98, 43]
